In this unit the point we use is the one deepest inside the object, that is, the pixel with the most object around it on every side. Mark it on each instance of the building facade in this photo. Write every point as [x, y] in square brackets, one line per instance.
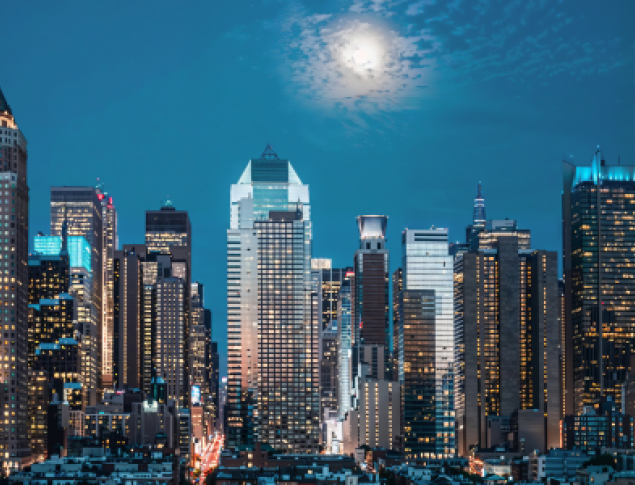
[80, 208]
[14, 211]
[598, 214]
[426, 344]
[267, 184]
[506, 340]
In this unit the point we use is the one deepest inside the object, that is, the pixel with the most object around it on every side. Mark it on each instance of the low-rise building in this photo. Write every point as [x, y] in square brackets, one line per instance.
[556, 463]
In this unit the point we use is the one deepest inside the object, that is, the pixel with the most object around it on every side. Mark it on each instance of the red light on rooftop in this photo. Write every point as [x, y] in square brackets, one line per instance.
[100, 196]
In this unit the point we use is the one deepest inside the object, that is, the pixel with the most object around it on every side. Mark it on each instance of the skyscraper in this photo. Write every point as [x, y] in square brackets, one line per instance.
[371, 298]
[14, 217]
[267, 184]
[81, 208]
[331, 282]
[426, 344]
[289, 326]
[506, 340]
[168, 231]
[598, 221]
[344, 345]
[127, 310]
[109, 246]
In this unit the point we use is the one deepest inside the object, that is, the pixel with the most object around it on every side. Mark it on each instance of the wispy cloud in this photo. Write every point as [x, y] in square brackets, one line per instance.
[379, 54]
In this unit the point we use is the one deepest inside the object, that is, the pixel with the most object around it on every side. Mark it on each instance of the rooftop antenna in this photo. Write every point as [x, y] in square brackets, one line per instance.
[269, 154]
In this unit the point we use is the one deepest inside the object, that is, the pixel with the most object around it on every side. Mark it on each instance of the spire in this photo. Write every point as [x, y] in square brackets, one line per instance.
[269, 154]
[479, 208]
[4, 106]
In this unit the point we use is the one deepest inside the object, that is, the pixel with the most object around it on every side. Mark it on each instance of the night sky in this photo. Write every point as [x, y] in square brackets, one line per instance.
[383, 107]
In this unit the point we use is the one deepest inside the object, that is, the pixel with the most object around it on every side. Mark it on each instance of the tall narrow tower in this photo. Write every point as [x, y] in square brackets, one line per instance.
[478, 217]
[14, 220]
[270, 214]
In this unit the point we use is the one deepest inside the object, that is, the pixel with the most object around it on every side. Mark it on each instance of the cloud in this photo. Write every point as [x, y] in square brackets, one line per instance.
[379, 54]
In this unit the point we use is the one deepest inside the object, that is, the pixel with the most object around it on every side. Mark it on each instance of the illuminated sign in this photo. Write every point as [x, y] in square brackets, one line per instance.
[196, 395]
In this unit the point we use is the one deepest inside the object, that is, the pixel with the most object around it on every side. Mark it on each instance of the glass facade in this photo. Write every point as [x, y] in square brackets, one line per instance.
[599, 278]
[79, 250]
[344, 345]
[267, 184]
[427, 332]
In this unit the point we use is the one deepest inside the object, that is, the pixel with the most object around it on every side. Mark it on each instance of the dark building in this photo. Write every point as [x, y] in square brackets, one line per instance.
[599, 426]
[397, 286]
[38, 414]
[417, 374]
[598, 218]
[507, 337]
[288, 393]
[328, 368]
[168, 231]
[127, 280]
[371, 300]
[331, 281]
[14, 212]
[81, 209]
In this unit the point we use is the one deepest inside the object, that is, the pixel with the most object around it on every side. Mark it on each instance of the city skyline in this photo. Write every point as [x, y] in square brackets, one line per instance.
[464, 128]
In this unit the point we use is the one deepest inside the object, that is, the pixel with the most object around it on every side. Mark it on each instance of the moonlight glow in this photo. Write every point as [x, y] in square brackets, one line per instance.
[363, 54]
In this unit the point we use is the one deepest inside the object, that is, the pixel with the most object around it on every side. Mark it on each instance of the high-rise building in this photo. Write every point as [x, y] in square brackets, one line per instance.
[64, 265]
[506, 341]
[168, 231]
[426, 344]
[328, 368]
[344, 345]
[267, 184]
[109, 246]
[397, 286]
[331, 281]
[127, 310]
[598, 220]
[81, 208]
[371, 299]
[289, 326]
[14, 217]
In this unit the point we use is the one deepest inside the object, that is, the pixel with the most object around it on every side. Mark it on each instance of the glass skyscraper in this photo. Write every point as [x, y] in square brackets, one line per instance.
[598, 215]
[344, 345]
[267, 184]
[426, 344]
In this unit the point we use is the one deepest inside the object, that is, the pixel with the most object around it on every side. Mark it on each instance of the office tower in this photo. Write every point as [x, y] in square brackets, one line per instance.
[478, 216]
[109, 246]
[426, 344]
[38, 414]
[374, 418]
[289, 323]
[328, 368]
[561, 347]
[14, 215]
[81, 208]
[127, 350]
[164, 326]
[599, 278]
[198, 346]
[397, 286]
[493, 230]
[344, 344]
[268, 183]
[331, 281]
[506, 340]
[64, 265]
[214, 376]
[371, 299]
[168, 231]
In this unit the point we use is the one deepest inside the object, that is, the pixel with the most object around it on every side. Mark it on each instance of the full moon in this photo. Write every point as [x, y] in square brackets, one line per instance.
[362, 53]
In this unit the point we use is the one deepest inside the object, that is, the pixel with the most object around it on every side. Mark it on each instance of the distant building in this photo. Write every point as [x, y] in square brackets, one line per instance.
[328, 368]
[556, 463]
[505, 300]
[601, 425]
